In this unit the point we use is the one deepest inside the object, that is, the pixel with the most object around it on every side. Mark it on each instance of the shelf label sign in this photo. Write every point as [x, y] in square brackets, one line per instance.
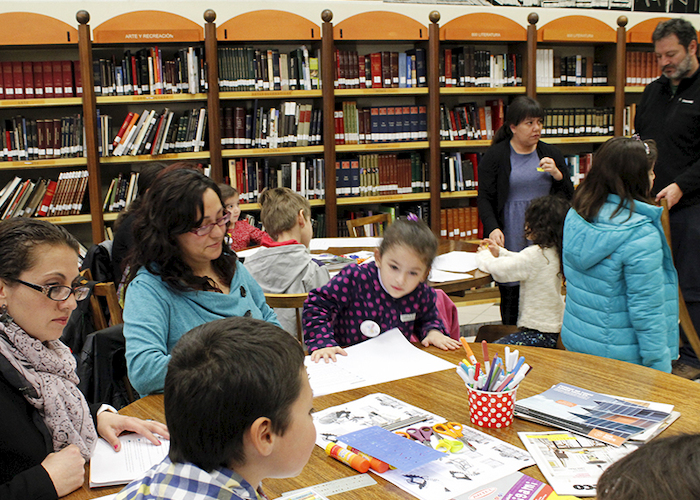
[129, 35]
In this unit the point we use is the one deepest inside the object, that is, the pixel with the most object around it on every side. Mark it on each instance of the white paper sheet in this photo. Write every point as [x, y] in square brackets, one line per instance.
[326, 243]
[367, 364]
[136, 456]
[456, 262]
[443, 479]
[247, 252]
[437, 276]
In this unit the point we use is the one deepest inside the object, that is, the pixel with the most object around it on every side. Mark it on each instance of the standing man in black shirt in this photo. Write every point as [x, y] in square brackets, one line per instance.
[669, 113]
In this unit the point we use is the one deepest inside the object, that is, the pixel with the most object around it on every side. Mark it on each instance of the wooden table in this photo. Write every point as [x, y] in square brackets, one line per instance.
[444, 394]
[478, 279]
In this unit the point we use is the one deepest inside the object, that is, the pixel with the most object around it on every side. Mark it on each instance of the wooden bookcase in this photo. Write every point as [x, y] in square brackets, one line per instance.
[367, 31]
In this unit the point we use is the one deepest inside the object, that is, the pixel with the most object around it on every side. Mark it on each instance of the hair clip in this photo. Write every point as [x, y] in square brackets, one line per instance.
[412, 217]
[636, 137]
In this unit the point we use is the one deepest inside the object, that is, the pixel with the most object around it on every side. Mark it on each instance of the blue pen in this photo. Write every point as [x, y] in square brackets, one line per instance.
[494, 362]
[519, 364]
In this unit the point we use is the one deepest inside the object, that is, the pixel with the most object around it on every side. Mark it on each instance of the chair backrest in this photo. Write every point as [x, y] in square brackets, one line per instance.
[109, 292]
[376, 221]
[683, 314]
[289, 301]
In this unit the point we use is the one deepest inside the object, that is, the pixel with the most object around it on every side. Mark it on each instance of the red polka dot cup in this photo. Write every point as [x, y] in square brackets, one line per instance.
[491, 409]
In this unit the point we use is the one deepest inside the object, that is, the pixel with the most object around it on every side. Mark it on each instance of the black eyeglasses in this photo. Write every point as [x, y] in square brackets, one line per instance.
[60, 293]
[204, 230]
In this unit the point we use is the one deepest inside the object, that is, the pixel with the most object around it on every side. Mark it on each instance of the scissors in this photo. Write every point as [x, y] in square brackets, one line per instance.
[454, 430]
[421, 434]
[449, 446]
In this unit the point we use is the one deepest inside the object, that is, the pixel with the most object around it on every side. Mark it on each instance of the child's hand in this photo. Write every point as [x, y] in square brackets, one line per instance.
[440, 340]
[326, 353]
[491, 245]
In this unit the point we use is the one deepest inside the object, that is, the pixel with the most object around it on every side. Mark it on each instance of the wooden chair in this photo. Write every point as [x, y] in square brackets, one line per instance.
[491, 333]
[685, 320]
[376, 221]
[109, 292]
[289, 301]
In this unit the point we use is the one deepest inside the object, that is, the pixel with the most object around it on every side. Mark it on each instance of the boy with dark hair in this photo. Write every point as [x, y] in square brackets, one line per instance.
[238, 407]
[285, 264]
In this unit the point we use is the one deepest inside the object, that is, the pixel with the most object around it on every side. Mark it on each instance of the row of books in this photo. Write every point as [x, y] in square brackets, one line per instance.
[146, 72]
[458, 171]
[575, 70]
[121, 192]
[468, 67]
[421, 209]
[252, 69]
[381, 174]
[380, 69]
[154, 133]
[461, 223]
[355, 125]
[25, 139]
[289, 125]
[44, 197]
[250, 176]
[579, 165]
[40, 79]
[578, 121]
[642, 68]
[469, 121]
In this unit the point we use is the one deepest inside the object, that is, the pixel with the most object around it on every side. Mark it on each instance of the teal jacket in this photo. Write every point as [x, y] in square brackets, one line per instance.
[622, 287]
[156, 316]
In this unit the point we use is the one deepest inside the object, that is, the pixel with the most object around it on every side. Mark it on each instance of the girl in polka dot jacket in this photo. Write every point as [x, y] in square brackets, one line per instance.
[391, 292]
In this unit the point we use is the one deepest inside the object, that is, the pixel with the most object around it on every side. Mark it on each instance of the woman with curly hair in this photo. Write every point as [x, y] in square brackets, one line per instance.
[182, 274]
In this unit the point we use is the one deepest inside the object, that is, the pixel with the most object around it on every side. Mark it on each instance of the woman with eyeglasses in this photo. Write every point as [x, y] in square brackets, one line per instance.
[182, 274]
[48, 429]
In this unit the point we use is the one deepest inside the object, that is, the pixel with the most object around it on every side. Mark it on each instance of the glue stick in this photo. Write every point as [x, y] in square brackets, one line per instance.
[374, 463]
[347, 457]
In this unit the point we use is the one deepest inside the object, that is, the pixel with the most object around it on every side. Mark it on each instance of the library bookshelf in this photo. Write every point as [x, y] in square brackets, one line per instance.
[39, 37]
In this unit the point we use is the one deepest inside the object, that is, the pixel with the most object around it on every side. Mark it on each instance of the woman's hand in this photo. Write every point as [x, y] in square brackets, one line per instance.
[440, 340]
[327, 353]
[497, 237]
[548, 165]
[66, 468]
[111, 425]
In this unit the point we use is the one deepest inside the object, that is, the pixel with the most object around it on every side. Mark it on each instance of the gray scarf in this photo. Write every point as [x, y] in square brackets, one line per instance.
[50, 369]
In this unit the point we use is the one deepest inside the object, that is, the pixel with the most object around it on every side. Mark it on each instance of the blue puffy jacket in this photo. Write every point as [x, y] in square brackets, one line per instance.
[622, 288]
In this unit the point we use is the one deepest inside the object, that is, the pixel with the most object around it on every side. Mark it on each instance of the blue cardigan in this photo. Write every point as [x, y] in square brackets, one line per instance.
[156, 316]
[622, 287]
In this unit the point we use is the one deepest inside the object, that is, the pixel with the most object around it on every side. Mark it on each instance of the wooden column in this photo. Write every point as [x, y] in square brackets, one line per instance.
[620, 74]
[213, 108]
[327, 50]
[90, 123]
[434, 119]
[531, 80]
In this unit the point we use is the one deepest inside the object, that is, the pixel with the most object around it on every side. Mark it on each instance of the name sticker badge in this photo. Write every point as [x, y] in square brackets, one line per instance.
[686, 101]
[405, 318]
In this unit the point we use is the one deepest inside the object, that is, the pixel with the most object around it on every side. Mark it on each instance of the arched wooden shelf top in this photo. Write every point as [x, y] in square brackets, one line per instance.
[576, 29]
[27, 28]
[483, 26]
[641, 32]
[380, 25]
[149, 27]
[268, 25]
